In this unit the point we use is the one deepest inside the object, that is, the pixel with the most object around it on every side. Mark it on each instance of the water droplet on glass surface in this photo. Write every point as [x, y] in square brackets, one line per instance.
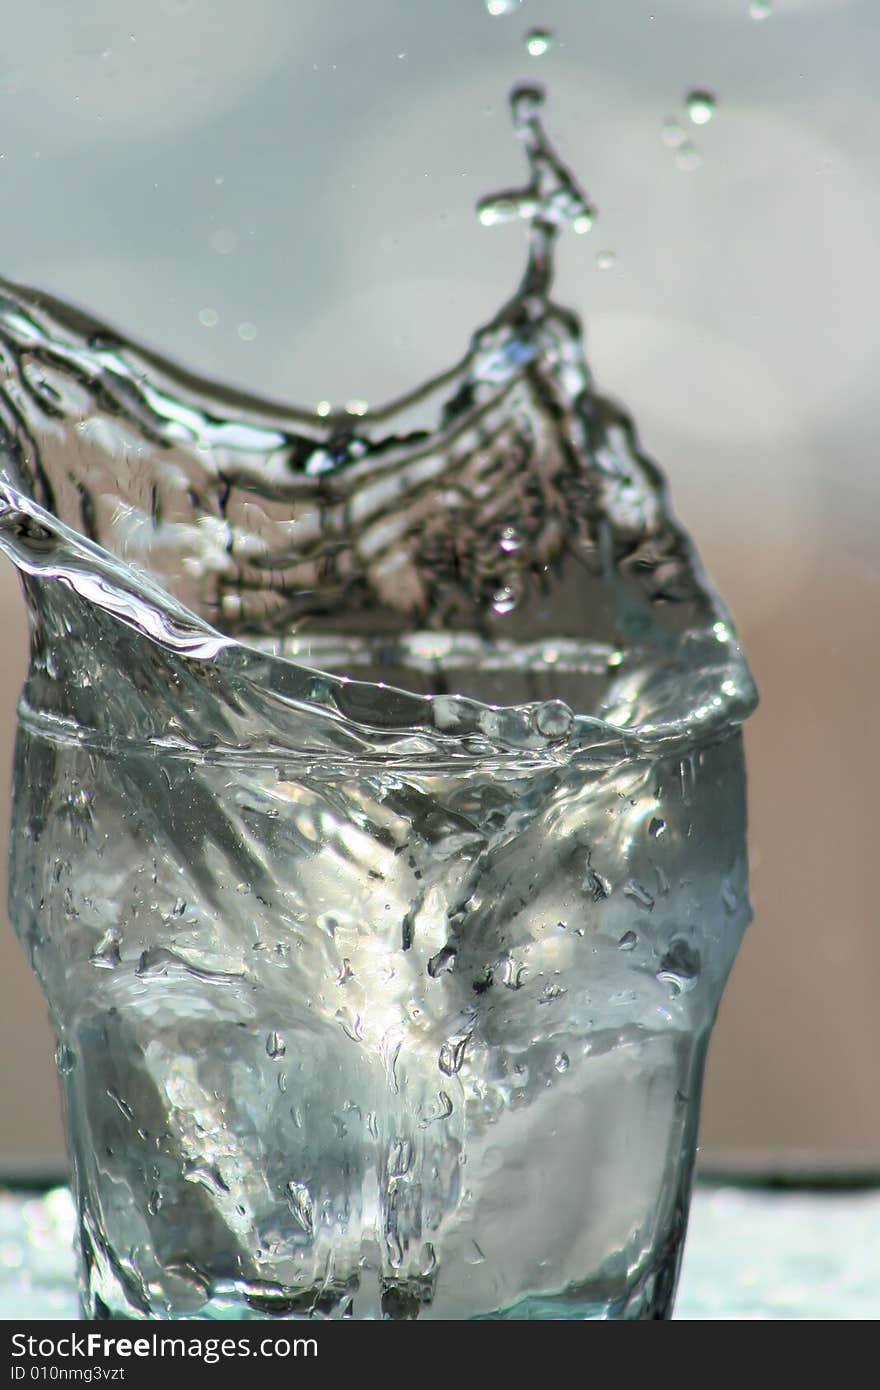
[275, 1045]
[700, 106]
[452, 1054]
[628, 941]
[538, 41]
[554, 719]
[639, 894]
[299, 1199]
[106, 954]
[443, 962]
[680, 966]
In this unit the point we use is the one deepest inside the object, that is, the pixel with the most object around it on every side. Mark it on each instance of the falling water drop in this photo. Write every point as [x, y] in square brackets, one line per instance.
[605, 260]
[537, 42]
[500, 7]
[760, 9]
[700, 106]
[688, 158]
[672, 134]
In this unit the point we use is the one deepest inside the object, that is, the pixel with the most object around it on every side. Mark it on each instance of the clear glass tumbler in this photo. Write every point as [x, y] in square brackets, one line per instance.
[382, 933]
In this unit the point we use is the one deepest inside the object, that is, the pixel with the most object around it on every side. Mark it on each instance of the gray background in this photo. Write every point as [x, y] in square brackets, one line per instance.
[308, 169]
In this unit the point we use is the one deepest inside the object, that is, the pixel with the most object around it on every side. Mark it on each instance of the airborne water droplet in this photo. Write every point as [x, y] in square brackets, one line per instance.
[605, 259]
[504, 600]
[628, 941]
[657, 827]
[209, 318]
[672, 134]
[538, 41]
[688, 158]
[760, 9]
[509, 540]
[700, 106]
[500, 7]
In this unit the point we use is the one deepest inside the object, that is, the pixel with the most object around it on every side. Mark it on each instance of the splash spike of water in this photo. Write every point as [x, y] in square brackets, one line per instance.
[551, 198]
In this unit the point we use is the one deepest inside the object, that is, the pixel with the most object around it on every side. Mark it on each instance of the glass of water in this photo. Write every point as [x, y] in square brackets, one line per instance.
[379, 820]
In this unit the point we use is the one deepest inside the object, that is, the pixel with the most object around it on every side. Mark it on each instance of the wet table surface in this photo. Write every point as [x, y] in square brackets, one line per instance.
[751, 1254]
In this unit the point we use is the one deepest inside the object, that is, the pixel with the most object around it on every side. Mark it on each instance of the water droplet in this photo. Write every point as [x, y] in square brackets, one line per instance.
[247, 332]
[554, 719]
[209, 318]
[499, 7]
[356, 407]
[582, 223]
[509, 540]
[452, 1054]
[64, 1060]
[688, 158]
[443, 962]
[299, 1199]
[323, 408]
[700, 106]
[628, 941]
[672, 134]
[223, 241]
[538, 41]
[657, 827]
[179, 907]
[504, 600]
[106, 954]
[760, 9]
[680, 966]
[561, 1061]
[275, 1045]
[605, 260]
[639, 894]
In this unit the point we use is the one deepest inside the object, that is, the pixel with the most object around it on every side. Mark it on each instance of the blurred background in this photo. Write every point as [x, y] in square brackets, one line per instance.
[280, 193]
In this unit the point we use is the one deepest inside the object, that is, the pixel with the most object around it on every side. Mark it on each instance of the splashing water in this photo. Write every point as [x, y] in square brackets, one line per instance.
[342, 756]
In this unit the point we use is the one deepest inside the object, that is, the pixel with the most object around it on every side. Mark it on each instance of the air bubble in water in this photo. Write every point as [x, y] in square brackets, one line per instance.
[537, 42]
[760, 9]
[700, 106]
[628, 941]
[275, 1045]
[561, 1062]
[64, 1060]
[657, 827]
